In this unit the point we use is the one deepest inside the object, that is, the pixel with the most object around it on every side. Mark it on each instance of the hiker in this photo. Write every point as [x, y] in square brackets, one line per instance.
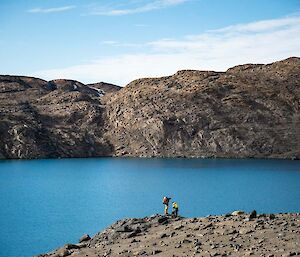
[174, 210]
[166, 203]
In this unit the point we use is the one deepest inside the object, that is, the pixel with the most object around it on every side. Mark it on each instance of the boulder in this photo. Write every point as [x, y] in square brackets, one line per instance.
[271, 216]
[209, 225]
[134, 233]
[178, 227]
[237, 213]
[253, 215]
[163, 235]
[156, 252]
[71, 246]
[244, 231]
[82, 245]
[84, 238]
[62, 253]
[162, 219]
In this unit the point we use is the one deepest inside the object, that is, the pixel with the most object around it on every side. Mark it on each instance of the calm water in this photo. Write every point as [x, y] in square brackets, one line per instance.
[47, 203]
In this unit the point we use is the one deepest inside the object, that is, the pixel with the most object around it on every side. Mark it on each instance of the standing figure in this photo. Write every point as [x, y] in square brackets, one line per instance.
[166, 204]
[174, 209]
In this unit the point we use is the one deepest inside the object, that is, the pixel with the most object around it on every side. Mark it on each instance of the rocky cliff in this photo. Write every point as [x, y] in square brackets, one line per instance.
[59, 118]
[227, 235]
[250, 110]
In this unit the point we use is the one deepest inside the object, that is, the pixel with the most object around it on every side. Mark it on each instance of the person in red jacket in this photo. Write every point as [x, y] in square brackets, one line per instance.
[166, 201]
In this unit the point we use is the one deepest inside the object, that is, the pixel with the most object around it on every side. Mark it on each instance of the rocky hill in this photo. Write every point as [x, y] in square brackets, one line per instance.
[59, 118]
[227, 235]
[248, 111]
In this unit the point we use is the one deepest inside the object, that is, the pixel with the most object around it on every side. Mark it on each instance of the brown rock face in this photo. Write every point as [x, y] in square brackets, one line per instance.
[248, 111]
[60, 118]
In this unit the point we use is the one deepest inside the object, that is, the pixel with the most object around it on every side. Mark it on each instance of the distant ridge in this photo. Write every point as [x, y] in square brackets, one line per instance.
[250, 110]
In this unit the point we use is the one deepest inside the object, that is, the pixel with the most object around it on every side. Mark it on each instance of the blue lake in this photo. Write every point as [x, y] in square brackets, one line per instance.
[47, 203]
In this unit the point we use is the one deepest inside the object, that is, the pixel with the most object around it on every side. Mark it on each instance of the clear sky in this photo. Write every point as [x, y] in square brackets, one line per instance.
[118, 41]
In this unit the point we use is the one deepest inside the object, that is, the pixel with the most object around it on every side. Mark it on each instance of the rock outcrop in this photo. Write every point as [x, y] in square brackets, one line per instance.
[248, 111]
[55, 119]
[225, 235]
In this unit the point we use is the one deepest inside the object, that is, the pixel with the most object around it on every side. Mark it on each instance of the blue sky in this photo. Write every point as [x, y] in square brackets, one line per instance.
[118, 41]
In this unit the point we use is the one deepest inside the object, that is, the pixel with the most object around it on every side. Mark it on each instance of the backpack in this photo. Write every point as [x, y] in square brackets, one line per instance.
[165, 200]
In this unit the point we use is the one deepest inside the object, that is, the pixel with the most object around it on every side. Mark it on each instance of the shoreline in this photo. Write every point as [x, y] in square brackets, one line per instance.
[153, 158]
[236, 234]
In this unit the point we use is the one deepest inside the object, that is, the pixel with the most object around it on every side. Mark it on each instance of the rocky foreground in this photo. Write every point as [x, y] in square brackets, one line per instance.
[250, 110]
[235, 234]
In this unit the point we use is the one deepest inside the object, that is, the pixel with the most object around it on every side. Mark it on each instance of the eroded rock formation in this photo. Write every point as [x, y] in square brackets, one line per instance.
[59, 118]
[249, 111]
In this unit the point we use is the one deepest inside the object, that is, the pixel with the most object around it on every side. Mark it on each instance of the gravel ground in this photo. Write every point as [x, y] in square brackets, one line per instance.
[237, 234]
